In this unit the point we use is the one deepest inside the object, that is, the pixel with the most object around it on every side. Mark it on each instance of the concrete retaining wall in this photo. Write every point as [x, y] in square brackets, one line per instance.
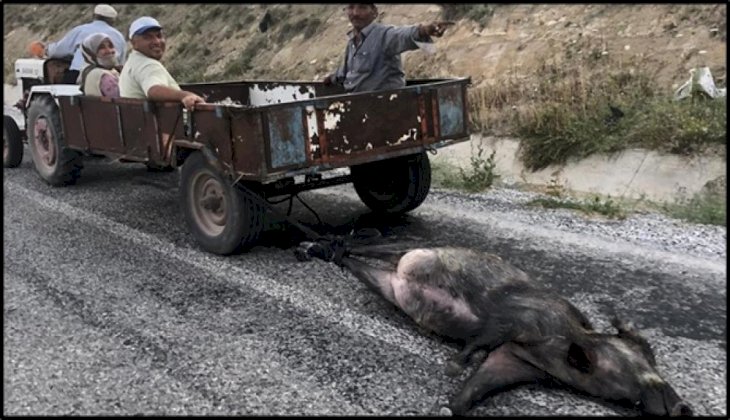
[633, 173]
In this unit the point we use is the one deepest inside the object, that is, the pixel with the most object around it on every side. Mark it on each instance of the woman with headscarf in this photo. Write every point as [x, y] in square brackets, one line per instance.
[100, 76]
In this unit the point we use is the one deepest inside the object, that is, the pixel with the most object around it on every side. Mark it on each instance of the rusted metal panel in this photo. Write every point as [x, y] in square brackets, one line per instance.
[271, 131]
[226, 92]
[269, 93]
[101, 124]
[286, 138]
[375, 121]
[170, 125]
[451, 111]
[73, 129]
[313, 145]
[209, 129]
[247, 138]
[138, 127]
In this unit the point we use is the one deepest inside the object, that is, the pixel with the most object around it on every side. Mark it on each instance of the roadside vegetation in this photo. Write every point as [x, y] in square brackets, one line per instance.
[479, 177]
[556, 197]
[707, 207]
[704, 208]
[587, 104]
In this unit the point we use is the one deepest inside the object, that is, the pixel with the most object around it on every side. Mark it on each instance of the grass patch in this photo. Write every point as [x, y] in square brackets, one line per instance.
[480, 13]
[478, 177]
[557, 199]
[307, 27]
[445, 175]
[703, 208]
[595, 205]
[240, 65]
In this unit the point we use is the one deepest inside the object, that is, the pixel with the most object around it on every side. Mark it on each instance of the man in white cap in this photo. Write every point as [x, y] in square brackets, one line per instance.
[68, 46]
[143, 76]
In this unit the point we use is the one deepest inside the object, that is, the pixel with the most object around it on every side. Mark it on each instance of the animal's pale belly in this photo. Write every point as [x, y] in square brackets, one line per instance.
[435, 309]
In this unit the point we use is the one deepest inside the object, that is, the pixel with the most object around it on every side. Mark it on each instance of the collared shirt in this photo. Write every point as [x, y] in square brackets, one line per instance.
[68, 46]
[140, 73]
[375, 63]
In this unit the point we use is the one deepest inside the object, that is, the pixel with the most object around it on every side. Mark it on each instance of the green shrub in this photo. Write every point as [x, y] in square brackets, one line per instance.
[704, 208]
[481, 174]
[479, 177]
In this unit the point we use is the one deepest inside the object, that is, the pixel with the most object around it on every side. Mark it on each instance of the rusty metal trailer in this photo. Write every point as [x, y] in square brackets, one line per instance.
[256, 140]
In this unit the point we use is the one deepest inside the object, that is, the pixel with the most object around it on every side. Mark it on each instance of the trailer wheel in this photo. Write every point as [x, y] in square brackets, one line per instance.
[222, 218]
[394, 185]
[12, 143]
[54, 162]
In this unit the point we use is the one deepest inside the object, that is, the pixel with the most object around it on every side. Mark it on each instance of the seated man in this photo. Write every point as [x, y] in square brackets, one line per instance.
[143, 76]
[69, 45]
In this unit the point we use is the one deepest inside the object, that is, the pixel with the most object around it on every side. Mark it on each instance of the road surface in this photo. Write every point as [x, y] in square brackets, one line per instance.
[111, 308]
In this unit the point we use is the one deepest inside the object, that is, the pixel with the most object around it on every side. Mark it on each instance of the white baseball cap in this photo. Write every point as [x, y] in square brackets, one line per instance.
[106, 11]
[142, 24]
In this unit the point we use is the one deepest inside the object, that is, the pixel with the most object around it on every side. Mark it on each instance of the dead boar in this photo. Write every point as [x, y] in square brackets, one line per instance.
[528, 332]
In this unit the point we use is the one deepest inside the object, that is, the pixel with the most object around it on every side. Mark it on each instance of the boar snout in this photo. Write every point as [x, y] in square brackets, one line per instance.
[664, 401]
[681, 409]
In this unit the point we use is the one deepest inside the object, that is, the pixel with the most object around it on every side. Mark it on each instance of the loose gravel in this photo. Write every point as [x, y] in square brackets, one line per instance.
[646, 229]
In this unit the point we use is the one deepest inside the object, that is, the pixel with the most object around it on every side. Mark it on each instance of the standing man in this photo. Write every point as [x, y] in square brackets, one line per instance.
[372, 55]
[143, 76]
[68, 46]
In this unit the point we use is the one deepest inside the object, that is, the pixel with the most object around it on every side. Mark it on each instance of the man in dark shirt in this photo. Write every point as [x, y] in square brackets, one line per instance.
[372, 55]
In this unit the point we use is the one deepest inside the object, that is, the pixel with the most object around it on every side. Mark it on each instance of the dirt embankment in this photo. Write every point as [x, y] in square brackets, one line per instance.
[306, 41]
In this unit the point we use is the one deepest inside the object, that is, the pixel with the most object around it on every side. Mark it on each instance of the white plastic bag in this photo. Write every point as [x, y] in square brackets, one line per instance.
[700, 81]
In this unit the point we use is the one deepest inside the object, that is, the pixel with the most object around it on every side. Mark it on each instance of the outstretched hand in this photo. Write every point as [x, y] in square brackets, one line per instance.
[436, 29]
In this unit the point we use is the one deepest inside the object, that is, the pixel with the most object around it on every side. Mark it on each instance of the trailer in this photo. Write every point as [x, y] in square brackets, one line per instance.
[253, 141]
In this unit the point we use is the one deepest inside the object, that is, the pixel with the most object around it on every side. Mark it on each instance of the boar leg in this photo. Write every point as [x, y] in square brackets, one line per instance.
[495, 334]
[375, 278]
[500, 371]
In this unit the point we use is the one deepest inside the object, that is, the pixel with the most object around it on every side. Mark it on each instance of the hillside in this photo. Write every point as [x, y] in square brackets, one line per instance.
[545, 75]
[224, 42]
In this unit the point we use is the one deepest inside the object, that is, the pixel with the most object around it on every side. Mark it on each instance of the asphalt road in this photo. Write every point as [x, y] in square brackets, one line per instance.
[110, 308]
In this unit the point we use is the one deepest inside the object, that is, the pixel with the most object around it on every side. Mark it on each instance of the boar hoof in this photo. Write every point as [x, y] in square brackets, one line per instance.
[446, 412]
[302, 255]
[453, 369]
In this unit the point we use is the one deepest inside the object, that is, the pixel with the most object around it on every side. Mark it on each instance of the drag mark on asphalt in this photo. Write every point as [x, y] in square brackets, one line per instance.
[218, 267]
[532, 236]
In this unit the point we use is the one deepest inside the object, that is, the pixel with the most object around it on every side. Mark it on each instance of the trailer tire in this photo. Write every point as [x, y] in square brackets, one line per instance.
[55, 163]
[222, 218]
[12, 143]
[395, 185]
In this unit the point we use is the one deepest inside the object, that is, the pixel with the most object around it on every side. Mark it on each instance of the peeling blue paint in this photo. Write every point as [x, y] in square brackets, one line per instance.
[451, 111]
[286, 133]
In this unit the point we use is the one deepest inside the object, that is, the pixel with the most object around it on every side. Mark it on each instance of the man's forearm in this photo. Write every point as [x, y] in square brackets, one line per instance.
[164, 93]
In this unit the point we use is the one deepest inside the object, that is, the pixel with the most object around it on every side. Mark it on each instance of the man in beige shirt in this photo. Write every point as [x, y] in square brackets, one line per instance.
[143, 76]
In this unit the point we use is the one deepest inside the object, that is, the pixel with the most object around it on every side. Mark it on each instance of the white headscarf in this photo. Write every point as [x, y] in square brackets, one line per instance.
[90, 47]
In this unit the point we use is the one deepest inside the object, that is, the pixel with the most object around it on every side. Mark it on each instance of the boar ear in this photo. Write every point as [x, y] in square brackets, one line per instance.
[581, 358]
